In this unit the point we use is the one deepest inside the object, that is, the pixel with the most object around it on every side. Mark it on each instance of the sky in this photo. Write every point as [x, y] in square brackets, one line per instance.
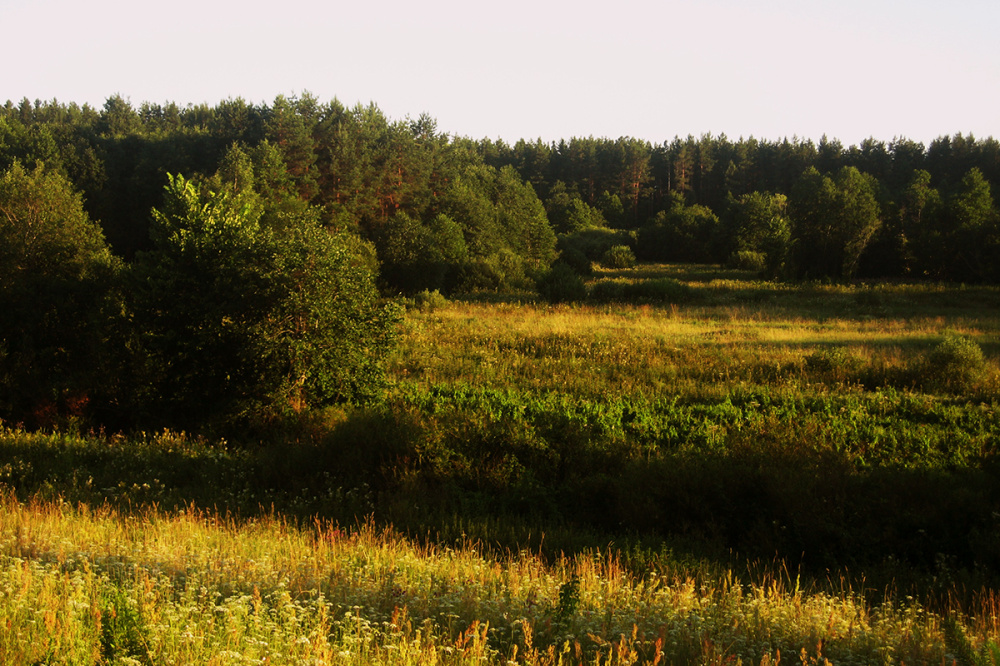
[537, 69]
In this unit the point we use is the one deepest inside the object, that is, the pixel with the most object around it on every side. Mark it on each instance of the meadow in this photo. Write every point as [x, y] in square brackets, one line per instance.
[691, 466]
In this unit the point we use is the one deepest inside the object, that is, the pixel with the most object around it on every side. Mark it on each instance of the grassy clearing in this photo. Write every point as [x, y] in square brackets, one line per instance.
[724, 333]
[600, 483]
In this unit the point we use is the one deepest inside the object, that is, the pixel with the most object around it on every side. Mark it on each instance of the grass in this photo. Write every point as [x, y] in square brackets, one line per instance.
[601, 483]
[93, 586]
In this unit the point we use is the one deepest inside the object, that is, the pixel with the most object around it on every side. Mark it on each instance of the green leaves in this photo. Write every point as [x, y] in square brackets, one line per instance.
[55, 272]
[240, 320]
[833, 221]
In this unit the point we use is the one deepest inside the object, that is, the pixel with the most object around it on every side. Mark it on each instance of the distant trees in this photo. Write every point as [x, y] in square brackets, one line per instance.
[360, 170]
[973, 229]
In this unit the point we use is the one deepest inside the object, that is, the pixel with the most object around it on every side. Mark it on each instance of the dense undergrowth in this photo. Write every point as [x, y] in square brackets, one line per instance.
[701, 449]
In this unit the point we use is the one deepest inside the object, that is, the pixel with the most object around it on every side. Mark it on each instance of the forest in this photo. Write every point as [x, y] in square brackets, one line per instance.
[296, 382]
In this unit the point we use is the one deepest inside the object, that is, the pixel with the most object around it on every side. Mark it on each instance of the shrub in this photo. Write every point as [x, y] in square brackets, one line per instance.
[593, 243]
[747, 260]
[608, 291]
[237, 320]
[561, 284]
[57, 279]
[428, 301]
[837, 364]
[956, 363]
[619, 256]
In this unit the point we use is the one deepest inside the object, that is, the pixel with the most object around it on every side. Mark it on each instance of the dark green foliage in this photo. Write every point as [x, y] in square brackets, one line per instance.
[561, 284]
[239, 320]
[920, 227]
[569, 600]
[577, 260]
[568, 213]
[748, 260]
[659, 291]
[956, 363]
[618, 256]
[833, 220]
[497, 212]
[833, 365]
[972, 235]
[415, 257]
[361, 169]
[685, 233]
[758, 223]
[591, 244]
[56, 279]
[123, 634]
[428, 301]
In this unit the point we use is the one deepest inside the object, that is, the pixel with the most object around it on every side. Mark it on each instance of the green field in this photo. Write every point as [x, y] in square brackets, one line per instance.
[717, 470]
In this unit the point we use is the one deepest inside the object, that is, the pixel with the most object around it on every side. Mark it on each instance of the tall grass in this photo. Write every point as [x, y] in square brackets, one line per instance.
[92, 586]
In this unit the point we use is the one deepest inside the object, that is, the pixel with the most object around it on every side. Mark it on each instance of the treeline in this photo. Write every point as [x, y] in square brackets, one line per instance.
[793, 208]
[439, 215]
[458, 214]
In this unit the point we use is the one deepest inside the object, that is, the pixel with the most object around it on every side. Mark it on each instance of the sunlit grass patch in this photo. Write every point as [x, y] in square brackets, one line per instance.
[191, 588]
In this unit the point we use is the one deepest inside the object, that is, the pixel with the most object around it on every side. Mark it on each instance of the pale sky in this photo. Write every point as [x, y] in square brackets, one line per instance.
[849, 69]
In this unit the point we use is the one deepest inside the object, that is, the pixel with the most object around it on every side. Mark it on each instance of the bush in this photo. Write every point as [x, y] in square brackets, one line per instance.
[57, 301]
[663, 290]
[237, 321]
[592, 243]
[747, 260]
[619, 256]
[428, 301]
[835, 364]
[955, 364]
[561, 284]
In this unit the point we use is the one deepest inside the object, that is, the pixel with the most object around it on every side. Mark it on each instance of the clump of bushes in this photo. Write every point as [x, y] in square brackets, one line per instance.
[578, 261]
[618, 256]
[834, 364]
[428, 301]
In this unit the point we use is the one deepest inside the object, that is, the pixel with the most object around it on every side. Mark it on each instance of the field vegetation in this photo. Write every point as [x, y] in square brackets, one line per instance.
[298, 383]
[717, 469]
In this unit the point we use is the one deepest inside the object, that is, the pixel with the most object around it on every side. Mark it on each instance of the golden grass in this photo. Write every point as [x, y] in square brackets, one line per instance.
[611, 350]
[193, 588]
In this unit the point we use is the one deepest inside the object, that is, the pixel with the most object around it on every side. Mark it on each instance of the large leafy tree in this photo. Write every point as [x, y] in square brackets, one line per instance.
[920, 231]
[758, 222]
[973, 232]
[55, 279]
[833, 221]
[507, 233]
[242, 320]
[685, 233]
